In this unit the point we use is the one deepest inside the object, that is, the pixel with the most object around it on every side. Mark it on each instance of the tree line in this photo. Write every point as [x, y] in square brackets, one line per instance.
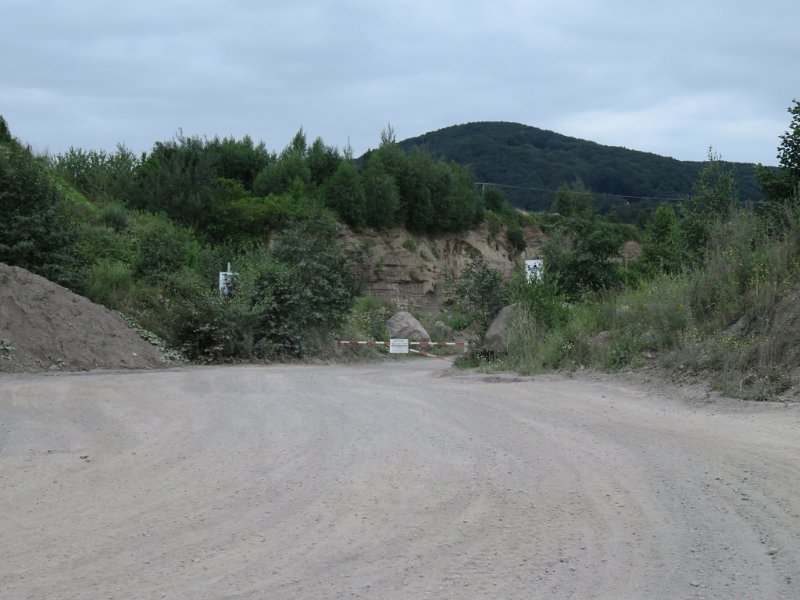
[224, 187]
[535, 163]
[146, 234]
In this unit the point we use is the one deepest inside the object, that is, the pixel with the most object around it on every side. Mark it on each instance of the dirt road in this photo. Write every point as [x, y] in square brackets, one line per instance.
[392, 480]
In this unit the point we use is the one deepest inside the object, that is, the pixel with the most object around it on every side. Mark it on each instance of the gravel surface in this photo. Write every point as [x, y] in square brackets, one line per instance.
[393, 480]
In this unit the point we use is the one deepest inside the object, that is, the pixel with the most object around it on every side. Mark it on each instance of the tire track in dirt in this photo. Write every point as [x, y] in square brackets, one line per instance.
[389, 480]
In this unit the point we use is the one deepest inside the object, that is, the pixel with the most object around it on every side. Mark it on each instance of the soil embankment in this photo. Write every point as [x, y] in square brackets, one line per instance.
[44, 326]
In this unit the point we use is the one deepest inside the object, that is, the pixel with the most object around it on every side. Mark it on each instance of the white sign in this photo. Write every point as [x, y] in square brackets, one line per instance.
[534, 268]
[398, 346]
[227, 281]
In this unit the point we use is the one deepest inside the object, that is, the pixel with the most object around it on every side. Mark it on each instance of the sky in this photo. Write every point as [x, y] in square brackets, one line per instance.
[673, 78]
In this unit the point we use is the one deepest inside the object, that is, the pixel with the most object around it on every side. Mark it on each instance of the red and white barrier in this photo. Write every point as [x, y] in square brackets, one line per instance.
[401, 346]
[387, 343]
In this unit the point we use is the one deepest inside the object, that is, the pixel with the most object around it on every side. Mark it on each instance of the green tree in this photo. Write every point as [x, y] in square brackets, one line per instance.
[713, 200]
[176, 178]
[782, 185]
[100, 176]
[573, 199]
[580, 257]
[5, 132]
[344, 194]
[240, 160]
[322, 161]
[493, 199]
[415, 191]
[289, 169]
[382, 198]
[481, 292]
[37, 231]
[662, 244]
[164, 249]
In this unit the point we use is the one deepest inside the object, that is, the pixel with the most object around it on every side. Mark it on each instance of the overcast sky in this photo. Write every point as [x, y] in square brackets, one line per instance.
[669, 77]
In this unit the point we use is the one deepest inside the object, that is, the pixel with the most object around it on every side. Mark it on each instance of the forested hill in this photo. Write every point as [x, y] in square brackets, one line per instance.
[519, 155]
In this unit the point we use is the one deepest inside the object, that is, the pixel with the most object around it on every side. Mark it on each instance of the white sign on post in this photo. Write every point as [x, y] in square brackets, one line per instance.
[398, 346]
[534, 268]
[227, 281]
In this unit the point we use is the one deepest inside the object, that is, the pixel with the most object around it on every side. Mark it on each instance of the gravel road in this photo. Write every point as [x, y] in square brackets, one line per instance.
[391, 480]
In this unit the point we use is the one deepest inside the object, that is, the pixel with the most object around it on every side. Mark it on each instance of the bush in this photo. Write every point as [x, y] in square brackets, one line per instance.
[515, 237]
[580, 258]
[109, 283]
[114, 216]
[285, 303]
[163, 248]
[480, 292]
[367, 320]
[198, 321]
[541, 300]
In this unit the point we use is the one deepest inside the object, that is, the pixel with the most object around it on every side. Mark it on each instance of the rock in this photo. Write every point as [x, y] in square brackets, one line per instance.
[404, 325]
[442, 331]
[496, 338]
[772, 551]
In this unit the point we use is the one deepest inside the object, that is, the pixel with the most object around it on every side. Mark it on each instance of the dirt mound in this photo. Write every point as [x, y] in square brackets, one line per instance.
[44, 326]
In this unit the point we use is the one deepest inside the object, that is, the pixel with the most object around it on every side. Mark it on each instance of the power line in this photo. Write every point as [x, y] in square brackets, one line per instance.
[538, 189]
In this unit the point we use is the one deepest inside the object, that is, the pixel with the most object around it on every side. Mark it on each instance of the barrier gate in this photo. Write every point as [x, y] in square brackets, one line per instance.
[403, 346]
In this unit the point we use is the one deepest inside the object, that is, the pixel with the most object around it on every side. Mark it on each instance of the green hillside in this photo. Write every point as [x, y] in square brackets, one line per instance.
[625, 180]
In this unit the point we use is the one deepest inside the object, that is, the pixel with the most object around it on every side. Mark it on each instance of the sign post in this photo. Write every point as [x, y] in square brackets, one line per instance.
[534, 269]
[227, 281]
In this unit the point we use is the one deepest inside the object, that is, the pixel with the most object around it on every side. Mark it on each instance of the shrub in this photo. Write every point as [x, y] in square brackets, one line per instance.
[368, 319]
[109, 283]
[285, 303]
[114, 216]
[164, 248]
[515, 237]
[480, 292]
[541, 300]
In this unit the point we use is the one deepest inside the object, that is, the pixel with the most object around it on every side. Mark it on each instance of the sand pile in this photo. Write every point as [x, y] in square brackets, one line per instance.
[44, 326]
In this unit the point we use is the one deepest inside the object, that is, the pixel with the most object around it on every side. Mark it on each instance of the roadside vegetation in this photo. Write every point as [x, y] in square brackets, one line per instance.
[716, 291]
[147, 235]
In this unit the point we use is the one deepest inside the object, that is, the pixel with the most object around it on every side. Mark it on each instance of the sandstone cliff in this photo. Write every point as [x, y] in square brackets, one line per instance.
[412, 271]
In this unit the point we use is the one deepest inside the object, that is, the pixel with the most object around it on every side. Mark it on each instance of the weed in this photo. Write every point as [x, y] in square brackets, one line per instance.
[109, 283]
[115, 216]
[410, 244]
[6, 349]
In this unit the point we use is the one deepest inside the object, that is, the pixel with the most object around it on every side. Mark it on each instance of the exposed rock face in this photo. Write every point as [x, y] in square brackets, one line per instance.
[404, 325]
[496, 337]
[412, 271]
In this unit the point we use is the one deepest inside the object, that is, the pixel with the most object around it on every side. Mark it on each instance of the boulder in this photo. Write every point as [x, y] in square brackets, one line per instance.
[442, 331]
[404, 325]
[496, 338]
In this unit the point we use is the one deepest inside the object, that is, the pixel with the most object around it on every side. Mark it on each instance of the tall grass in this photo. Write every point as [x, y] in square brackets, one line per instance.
[109, 283]
[735, 318]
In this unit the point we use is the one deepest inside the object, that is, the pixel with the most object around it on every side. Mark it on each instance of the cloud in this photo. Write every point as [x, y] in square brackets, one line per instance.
[668, 78]
[664, 127]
